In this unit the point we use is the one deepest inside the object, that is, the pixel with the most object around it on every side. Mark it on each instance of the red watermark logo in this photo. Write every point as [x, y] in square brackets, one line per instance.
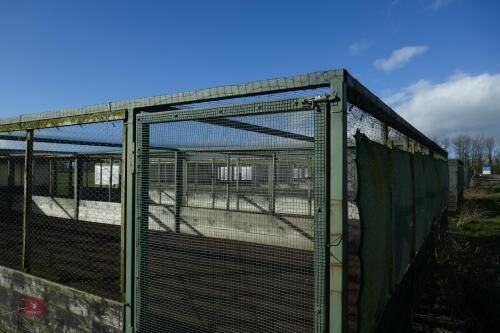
[33, 307]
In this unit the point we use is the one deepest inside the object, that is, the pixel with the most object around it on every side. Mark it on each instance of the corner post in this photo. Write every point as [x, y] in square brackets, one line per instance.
[128, 217]
[337, 225]
[27, 201]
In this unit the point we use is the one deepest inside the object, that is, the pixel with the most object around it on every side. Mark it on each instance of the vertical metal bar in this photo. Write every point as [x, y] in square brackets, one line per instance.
[123, 199]
[272, 184]
[337, 222]
[142, 214]
[56, 179]
[237, 174]
[228, 179]
[110, 178]
[51, 178]
[160, 184]
[130, 222]
[321, 208]
[195, 176]
[180, 177]
[184, 180]
[100, 175]
[213, 183]
[10, 182]
[309, 183]
[27, 202]
[76, 184]
[384, 134]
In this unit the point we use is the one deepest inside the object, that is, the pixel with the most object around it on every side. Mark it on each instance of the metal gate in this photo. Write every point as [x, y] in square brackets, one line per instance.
[231, 218]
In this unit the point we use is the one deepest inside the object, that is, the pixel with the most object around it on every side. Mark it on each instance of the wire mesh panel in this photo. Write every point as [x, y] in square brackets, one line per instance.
[226, 234]
[73, 223]
[12, 153]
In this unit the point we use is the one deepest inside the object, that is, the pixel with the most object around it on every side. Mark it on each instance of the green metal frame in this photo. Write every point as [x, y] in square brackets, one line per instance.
[337, 221]
[144, 121]
[343, 89]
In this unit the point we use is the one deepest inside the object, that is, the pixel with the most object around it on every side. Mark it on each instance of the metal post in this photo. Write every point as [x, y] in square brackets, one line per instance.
[337, 219]
[51, 178]
[130, 218]
[309, 187]
[27, 202]
[384, 134]
[272, 184]
[180, 177]
[110, 178]
[123, 199]
[195, 176]
[228, 179]
[10, 182]
[213, 183]
[237, 175]
[184, 180]
[76, 183]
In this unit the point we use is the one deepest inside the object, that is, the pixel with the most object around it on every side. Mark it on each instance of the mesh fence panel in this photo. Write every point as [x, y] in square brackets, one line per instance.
[11, 192]
[229, 248]
[73, 229]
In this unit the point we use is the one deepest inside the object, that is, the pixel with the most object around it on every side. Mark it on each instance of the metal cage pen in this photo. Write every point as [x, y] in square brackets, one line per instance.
[240, 208]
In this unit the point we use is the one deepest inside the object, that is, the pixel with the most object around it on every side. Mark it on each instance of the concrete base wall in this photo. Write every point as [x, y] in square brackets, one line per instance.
[286, 231]
[292, 231]
[66, 310]
[90, 211]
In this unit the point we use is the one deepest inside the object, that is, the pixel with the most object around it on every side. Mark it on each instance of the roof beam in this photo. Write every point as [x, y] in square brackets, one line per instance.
[225, 122]
[62, 141]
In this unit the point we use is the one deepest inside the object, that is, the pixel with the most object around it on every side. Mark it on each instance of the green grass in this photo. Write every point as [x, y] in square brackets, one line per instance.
[467, 271]
[480, 217]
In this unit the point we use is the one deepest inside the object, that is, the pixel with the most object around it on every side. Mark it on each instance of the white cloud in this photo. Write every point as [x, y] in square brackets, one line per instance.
[437, 4]
[462, 104]
[356, 47]
[399, 57]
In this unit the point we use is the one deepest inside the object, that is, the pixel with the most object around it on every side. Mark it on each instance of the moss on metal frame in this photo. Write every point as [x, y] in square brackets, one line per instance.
[65, 121]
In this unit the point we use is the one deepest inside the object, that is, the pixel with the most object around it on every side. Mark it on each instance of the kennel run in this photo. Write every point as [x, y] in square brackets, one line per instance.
[298, 204]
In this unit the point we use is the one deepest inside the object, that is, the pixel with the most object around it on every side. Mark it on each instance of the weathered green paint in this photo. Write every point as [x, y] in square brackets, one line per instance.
[141, 212]
[63, 121]
[286, 105]
[123, 228]
[130, 222]
[384, 134]
[321, 250]
[76, 186]
[27, 202]
[337, 219]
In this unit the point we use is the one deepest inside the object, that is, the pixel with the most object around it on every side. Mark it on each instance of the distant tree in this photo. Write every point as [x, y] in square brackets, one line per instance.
[489, 144]
[478, 149]
[497, 161]
[462, 147]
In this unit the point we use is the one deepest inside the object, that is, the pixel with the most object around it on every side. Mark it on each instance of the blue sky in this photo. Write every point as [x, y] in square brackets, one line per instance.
[56, 54]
